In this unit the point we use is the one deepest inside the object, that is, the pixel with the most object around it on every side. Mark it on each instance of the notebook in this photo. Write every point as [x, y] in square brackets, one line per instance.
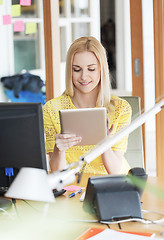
[91, 232]
[89, 123]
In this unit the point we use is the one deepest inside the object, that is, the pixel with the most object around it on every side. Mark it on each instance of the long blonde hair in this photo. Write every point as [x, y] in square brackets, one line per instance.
[90, 44]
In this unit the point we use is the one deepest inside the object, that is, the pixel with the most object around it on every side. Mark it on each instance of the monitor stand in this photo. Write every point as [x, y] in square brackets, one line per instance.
[5, 204]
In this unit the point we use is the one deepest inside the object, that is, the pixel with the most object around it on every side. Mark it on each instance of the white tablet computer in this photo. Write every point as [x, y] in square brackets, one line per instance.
[89, 123]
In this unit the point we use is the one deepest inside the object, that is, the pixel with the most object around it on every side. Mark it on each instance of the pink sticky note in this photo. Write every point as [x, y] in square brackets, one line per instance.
[6, 19]
[73, 188]
[19, 26]
[25, 2]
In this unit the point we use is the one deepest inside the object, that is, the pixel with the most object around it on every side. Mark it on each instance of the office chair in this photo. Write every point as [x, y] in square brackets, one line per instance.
[134, 154]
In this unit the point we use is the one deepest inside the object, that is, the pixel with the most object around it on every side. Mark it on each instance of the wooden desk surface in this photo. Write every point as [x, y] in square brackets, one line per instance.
[66, 219]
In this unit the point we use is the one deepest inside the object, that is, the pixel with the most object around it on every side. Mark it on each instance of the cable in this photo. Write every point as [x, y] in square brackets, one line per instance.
[14, 203]
[145, 221]
[3, 210]
[38, 211]
[155, 221]
[84, 220]
[148, 211]
[119, 225]
[108, 226]
[142, 220]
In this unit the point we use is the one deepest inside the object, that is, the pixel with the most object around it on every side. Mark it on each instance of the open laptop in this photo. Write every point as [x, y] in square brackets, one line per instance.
[89, 123]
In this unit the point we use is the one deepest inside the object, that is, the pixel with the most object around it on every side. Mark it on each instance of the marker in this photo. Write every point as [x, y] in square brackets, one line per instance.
[74, 193]
[82, 197]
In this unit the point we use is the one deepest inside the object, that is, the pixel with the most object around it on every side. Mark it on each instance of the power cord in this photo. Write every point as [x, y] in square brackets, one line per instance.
[3, 210]
[142, 220]
[38, 211]
[148, 211]
[156, 212]
[14, 203]
[145, 221]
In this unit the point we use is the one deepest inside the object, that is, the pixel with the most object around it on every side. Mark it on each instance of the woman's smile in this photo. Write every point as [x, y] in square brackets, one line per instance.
[85, 72]
[85, 83]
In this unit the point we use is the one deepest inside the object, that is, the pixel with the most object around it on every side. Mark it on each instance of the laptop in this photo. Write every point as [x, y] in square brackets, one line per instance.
[89, 123]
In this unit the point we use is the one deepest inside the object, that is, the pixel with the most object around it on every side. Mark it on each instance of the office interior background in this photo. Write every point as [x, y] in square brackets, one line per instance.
[107, 20]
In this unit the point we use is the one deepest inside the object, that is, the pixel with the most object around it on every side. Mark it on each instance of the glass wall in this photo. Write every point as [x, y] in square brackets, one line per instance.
[29, 45]
[77, 18]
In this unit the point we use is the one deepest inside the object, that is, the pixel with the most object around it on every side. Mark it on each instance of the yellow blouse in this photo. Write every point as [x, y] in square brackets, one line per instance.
[120, 116]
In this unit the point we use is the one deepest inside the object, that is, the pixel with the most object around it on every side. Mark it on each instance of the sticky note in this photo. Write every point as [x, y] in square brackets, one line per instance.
[25, 2]
[6, 19]
[30, 28]
[1, 2]
[15, 10]
[73, 188]
[19, 26]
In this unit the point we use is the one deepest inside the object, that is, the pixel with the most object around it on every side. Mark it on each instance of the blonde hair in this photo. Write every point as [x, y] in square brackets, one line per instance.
[90, 44]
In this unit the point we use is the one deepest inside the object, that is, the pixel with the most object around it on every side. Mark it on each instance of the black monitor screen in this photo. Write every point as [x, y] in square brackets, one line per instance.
[21, 136]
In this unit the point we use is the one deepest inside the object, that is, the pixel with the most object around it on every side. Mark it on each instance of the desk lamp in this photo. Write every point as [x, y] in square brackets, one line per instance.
[57, 180]
[36, 185]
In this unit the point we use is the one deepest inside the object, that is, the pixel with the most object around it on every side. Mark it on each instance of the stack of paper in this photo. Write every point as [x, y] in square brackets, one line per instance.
[106, 234]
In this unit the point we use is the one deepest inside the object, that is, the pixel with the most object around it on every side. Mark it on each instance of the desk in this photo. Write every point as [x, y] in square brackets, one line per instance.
[65, 218]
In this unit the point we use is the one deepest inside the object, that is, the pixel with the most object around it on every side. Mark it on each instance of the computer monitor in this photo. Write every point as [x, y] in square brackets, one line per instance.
[115, 197]
[21, 139]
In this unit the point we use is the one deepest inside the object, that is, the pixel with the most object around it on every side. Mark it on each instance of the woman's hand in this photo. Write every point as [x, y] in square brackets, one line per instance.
[65, 141]
[109, 130]
[62, 143]
[112, 160]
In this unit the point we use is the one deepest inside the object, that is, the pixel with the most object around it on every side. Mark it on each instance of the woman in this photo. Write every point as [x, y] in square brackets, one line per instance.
[87, 86]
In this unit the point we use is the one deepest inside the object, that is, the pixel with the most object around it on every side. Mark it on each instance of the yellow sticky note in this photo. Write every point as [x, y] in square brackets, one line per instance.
[1, 2]
[31, 28]
[15, 10]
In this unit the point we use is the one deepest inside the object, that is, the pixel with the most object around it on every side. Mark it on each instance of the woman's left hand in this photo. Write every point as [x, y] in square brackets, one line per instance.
[109, 130]
[112, 160]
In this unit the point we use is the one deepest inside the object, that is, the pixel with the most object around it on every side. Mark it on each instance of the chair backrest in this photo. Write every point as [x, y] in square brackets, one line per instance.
[134, 154]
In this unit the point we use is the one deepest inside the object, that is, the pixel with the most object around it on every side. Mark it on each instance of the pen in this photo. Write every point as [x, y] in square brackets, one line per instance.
[74, 193]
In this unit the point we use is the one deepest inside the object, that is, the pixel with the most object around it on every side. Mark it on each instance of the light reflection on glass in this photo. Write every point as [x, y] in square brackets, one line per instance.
[79, 8]
[26, 46]
[80, 30]
[27, 11]
[62, 8]
[63, 44]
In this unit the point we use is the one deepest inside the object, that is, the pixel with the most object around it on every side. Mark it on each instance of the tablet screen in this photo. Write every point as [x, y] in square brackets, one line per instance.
[89, 123]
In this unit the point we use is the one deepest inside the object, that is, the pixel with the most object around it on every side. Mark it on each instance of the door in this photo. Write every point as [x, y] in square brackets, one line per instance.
[159, 80]
[141, 85]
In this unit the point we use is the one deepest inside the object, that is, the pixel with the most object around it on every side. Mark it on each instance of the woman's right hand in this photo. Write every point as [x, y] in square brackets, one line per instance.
[66, 140]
